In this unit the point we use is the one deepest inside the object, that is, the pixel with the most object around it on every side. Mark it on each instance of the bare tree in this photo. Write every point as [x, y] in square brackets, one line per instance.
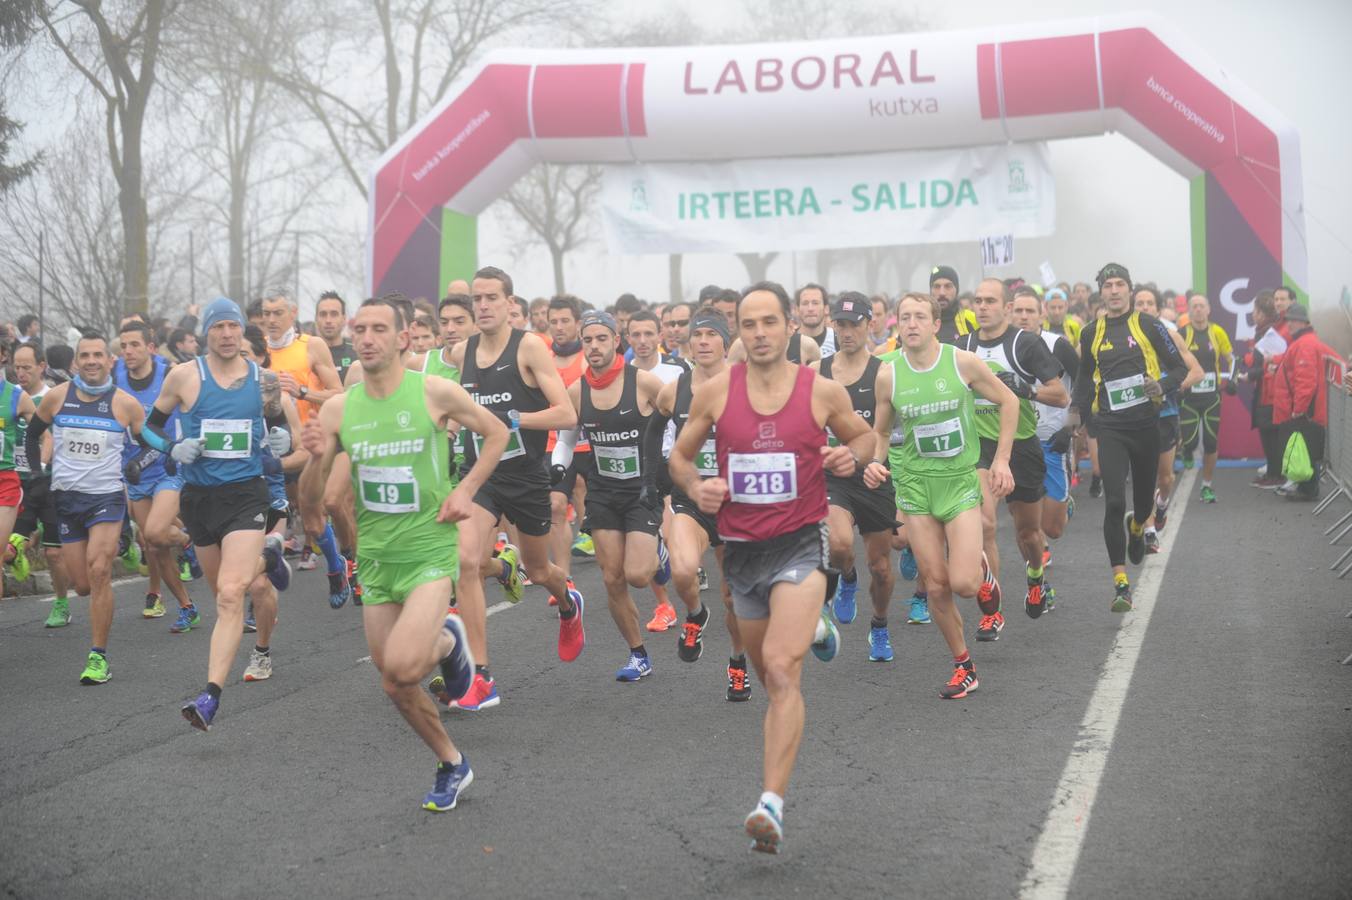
[553, 203]
[757, 265]
[117, 55]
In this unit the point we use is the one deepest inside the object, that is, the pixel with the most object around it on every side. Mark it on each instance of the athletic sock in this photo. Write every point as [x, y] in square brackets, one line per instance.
[214, 690]
[1205, 483]
[922, 595]
[328, 545]
[851, 576]
[876, 622]
[483, 672]
[262, 651]
[101, 651]
[699, 616]
[737, 662]
[1035, 573]
[774, 802]
[1119, 579]
[640, 650]
[964, 660]
[1149, 529]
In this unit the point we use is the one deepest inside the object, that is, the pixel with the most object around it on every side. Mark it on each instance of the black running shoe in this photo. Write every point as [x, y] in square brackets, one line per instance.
[1135, 541]
[1096, 487]
[739, 687]
[691, 642]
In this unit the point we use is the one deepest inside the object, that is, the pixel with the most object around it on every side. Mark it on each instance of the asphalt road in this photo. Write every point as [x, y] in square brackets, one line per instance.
[1229, 773]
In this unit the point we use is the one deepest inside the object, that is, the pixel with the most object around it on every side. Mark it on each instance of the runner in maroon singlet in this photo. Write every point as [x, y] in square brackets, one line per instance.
[770, 500]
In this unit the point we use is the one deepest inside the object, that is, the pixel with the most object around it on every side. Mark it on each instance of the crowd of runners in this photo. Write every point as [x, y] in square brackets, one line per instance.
[423, 452]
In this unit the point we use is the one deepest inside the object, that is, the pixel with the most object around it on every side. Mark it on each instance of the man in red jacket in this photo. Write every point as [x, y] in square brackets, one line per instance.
[1300, 396]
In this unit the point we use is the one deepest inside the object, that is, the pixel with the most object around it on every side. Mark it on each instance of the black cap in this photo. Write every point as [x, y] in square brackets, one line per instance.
[1296, 312]
[944, 272]
[852, 306]
[1113, 270]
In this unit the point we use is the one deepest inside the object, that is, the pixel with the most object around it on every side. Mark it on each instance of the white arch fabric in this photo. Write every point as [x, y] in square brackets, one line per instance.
[1134, 74]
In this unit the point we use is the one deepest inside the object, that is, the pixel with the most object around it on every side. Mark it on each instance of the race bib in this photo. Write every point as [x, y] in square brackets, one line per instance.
[762, 477]
[1124, 393]
[388, 489]
[514, 446]
[227, 438]
[458, 444]
[1206, 386]
[706, 460]
[939, 440]
[85, 444]
[616, 462]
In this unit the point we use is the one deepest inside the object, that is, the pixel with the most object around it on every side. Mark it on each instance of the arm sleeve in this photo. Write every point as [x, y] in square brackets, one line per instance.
[152, 432]
[32, 441]
[563, 448]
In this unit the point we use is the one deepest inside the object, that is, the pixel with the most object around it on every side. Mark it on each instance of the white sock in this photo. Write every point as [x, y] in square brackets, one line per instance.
[1150, 529]
[774, 802]
[1206, 483]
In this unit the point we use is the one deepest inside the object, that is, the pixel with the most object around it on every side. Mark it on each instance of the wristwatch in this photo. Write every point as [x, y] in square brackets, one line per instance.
[513, 419]
[304, 391]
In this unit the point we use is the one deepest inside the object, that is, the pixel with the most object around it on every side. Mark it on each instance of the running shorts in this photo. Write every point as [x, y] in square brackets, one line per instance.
[210, 512]
[620, 512]
[149, 489]
[523, 497]
[681, 505]
[77, 512]
[392, 582]
[1055, 482]
[941, 497]
[11, 489]
[1025, 463]
[752, 568]
[873, 510]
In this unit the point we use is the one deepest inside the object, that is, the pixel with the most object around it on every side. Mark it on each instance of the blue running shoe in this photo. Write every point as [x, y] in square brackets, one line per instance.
[920, 614]
[451, 782]
[187, 618]
[339, 588]
[663, 574]
[250, 623]
[879, 645]
[765, 828]
[906, 563]
[194, 567]
[201, 711]
[638, 666]
[276, 567]
[843, 605]
[457, 667]
[826, 643]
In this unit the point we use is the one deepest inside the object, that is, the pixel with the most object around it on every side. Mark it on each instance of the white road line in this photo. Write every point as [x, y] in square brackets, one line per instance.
[1058, 848]
[116, 581]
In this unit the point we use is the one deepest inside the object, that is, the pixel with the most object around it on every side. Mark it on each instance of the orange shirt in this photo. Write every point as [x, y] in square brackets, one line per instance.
[569, 373]
[294, 359]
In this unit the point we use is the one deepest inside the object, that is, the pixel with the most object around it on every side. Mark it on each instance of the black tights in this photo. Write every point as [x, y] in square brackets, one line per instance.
[1137, 451]
[1273, 448]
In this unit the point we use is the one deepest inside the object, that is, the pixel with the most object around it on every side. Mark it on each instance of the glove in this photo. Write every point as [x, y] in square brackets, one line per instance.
[187, 450]
[556, 474]
[1022, 389]
[1060, 442]
[139, 463]
[648, 497]
[279, 441]
[1153, 388]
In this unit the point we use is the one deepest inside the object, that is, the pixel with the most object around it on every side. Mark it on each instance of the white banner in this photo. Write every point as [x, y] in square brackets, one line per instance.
[811, 203]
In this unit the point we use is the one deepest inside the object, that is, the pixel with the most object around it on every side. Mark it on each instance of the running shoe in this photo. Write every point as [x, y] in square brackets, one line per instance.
[354, 581]
[1267, 483]
[482, 694]
[584, 546]
[907, 565]
[988, 595]
[1161, 512]
[194, 568]
[739, 686]
[451, 782]
[457, 666]
[1096, 486]
[292, 545]
[703, 579]
[201, 711]
[154, 607]
[554, 601]
[1208, 495]
[96, 669]
[59, 617]
[765, 828]
[961, 684]
[843, 604]
[1070, 506]
[664, 616]
[130, 553]
[920, 614]
[879, 644]
[339, 589]
[512, 588]
[1048, 598]
[307, 559]
[1188, 462]
[663, 574]
[18, 544]
[1122, 598]
[1033, 601]
[572, 636]
[1135, 540]
[989, 628]
[638, 666]
[691, 643]
[826, 642]
[250, 623]
[187, 618]
[1046, 557]
[1152, 542]
[259, 667]
[275, 565]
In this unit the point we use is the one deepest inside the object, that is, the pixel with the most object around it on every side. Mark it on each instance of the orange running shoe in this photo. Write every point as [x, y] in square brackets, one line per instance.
[989, 628]
[961, 684]
[663, 617]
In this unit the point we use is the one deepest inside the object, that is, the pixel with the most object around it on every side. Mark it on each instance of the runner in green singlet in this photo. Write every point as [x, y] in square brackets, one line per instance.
[393, 429]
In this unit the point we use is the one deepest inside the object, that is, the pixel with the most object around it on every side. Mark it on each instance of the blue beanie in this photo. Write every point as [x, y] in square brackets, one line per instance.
[222, 309]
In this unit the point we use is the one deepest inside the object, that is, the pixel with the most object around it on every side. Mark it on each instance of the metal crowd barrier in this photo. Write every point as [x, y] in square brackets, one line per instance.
[1338, 465]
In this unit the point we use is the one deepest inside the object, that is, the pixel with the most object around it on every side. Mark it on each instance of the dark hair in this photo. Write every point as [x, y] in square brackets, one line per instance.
[25, 320]
[798, 295]
[524, 306]
[461, 300]
[498, 275]
[177, 335]
[141, 328]
[89, 334]
[727, 295]
[773, 287]
[332, 295]
[645, 315]
[259, 344]
[1266, 303]
[671, 307]
[1149, 288]
[31, 345]
[568, 302]
[254, 309]
[1290, 292]
[60, 356]
[428, 322]
[628, 303]
[1027, 290]
[394, 301]
[708, 293]
[539, 302]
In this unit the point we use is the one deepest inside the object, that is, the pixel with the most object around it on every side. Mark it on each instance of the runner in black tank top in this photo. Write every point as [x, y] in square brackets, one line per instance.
[852, 504]
[500, 388]
[614, 401]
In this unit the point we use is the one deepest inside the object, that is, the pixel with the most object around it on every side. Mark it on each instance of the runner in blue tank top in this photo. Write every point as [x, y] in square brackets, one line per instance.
[225, 498]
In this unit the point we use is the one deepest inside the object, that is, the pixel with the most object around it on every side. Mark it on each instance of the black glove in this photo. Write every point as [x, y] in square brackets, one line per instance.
[1060, 442]
[1022, 389]
[556, 474]
[137, 464]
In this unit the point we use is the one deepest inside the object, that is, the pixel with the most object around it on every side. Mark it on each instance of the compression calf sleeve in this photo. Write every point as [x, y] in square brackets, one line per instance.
[328, 545]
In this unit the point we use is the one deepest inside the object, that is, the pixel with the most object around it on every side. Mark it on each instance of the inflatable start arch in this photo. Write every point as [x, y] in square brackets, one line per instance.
[1134, 74]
